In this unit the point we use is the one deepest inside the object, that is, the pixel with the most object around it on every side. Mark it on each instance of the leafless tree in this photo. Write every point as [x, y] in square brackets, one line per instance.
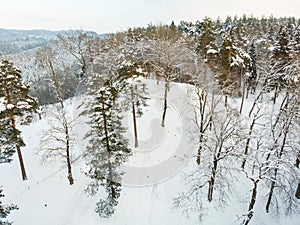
[57, 140]
[46, 58]
[281, 155]
[170, 58]
[221, 148]
[256, 173]
[204, 86]
[82, 45]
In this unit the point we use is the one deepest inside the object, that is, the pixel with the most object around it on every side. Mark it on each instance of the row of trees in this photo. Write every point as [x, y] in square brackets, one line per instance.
[259, 146]
[257, 143]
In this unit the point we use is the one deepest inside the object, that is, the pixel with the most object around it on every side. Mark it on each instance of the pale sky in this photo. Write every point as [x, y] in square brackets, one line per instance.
[105, 16]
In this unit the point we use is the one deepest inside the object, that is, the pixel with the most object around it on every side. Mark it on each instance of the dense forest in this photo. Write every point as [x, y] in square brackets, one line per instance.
[244, 79]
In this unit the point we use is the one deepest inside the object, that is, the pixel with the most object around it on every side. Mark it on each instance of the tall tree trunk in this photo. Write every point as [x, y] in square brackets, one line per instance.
[251, 204]
[65, 123]
[247, 143]
[70, 176]
[298, 160]
[134, 118]
[276, 170]
[165, 104]
[202, 103]
[275, 94]
[112, 184]
[212, 109]
[24, 176]
[255, 103]
[110, 173]
[243, 96]
[56, 83]
[211, 182]
[270, 194]
[22, 166]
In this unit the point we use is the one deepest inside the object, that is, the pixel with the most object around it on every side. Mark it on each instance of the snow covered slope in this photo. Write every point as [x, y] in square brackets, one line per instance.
[153, 178]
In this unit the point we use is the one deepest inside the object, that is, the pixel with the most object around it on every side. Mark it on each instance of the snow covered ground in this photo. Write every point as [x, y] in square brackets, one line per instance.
[153, 176]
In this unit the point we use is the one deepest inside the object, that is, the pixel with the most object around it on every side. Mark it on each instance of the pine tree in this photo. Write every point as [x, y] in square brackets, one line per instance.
[206, 38]
[5, 210]
[280, 60]
[107, 148]
[252, 75]
[227, 78]
[15, 104]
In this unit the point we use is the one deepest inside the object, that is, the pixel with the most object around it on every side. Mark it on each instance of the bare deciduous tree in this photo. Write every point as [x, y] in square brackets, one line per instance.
[46, 57]
[170, 58]
[83, 46]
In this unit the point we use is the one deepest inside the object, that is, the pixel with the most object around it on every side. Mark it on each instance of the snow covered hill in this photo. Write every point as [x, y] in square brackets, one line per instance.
[154, 174]
[16, 41]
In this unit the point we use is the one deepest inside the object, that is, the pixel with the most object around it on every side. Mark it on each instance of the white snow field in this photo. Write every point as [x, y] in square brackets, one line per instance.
[153, 175]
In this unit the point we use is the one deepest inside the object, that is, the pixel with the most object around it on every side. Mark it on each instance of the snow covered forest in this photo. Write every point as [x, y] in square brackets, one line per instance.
[149, 124]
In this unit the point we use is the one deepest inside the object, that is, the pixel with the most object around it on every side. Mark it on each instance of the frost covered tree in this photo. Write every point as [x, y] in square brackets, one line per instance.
[256, 174]
[219, 153]
[280, 55]
[5, 210]
[251, 79]
[130, 66]
[81, 45]
[227, 133]
[42, 84]
[204, 102]
[107, 148]
[135, 94]
[206, 38]
[15, 103]
[57, 141]
[254, 154]
[282, 151]
[201, 119]
[269, 152]
[169, 57]
[229, 64]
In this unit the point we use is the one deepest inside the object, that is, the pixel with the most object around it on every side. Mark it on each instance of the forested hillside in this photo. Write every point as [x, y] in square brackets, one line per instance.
[221, 100]
[16, 41]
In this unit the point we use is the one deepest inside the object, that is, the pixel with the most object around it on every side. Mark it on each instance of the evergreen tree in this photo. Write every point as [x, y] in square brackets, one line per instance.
[15, 103]
[280, 60]
[107, 148]
[206, 38]
[5, 210]
[252, 75]
[8, 135]
[227, 78]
